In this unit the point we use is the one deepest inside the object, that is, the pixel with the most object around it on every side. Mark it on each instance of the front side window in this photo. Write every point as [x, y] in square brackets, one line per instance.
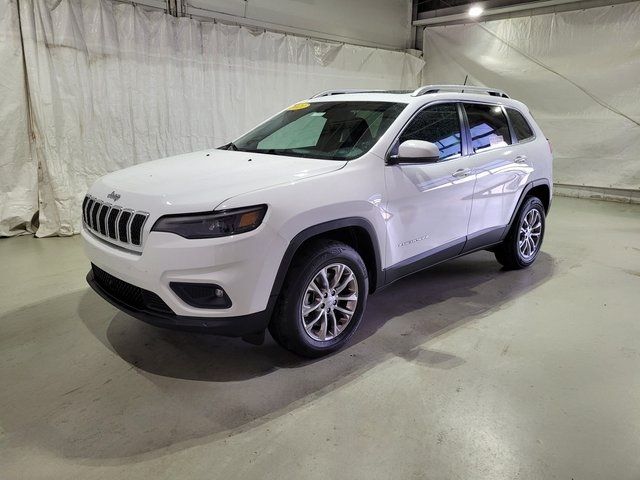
[439, 124]
[326, 130]
[488, 126]
[521, 127]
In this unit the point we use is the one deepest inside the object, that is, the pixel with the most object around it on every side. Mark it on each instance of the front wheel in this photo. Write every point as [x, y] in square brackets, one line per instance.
[522, 244]
[322, 299]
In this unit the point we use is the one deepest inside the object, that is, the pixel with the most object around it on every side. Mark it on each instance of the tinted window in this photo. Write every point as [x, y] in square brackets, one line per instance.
[439, 124]
[329, 130]
[488, 125]
[520, 125]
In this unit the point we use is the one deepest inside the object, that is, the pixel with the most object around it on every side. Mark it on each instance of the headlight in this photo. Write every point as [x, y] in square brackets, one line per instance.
[214, 224]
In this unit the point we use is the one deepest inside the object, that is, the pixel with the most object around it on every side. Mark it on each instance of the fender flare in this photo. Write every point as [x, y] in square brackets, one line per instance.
[319, 229]
[528, 187]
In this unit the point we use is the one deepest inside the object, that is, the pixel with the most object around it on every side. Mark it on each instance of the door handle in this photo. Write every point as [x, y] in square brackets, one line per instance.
[461, 173]
[521, 159]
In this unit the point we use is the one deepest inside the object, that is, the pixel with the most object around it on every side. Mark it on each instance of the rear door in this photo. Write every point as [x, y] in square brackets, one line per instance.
[429, 205]
[500, 167]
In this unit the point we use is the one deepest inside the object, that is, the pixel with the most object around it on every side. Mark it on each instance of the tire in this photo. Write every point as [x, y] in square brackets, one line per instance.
[531, 218]
[287, 326]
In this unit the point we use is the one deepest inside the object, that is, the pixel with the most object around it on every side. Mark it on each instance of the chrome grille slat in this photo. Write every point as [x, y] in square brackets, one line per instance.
[93, 220]
[112, 222]
[85, 204]
[115, 224]
[106, 221]
[84, 208]
[92, 204]
[87, 209]
[137, 224]
[96, 217]
[102, 218]
[129, 227]
[123, 225]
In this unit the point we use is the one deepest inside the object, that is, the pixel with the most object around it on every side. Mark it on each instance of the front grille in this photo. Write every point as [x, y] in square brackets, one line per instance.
[130, 295]
[113, 222]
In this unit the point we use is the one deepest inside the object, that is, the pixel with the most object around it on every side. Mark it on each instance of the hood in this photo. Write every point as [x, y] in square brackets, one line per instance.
[200, 181]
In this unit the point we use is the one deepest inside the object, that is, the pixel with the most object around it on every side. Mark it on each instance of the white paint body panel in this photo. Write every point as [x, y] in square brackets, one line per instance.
[428, 207]
[500, 179]
[412, 208]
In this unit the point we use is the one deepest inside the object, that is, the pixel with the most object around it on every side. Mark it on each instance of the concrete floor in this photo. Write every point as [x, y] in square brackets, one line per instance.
[463, 371]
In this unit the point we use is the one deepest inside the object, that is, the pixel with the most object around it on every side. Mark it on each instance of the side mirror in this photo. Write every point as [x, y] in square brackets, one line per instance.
[416, 151]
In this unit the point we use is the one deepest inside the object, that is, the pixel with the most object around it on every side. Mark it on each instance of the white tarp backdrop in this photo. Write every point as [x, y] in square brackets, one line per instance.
[579, 73]
[18, 171]
[111, 85]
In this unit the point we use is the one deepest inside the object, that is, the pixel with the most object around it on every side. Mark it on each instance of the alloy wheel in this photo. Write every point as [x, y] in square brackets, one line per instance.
[329, 302]
[530, 234]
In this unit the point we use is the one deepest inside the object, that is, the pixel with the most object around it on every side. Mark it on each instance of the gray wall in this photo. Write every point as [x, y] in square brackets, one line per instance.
[378, 23]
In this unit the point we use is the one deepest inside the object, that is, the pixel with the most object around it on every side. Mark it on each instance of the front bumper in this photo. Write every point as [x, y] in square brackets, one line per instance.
[244, 266]
[227, 326]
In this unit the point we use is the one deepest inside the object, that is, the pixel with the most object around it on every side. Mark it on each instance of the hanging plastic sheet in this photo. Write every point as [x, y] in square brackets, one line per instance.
[578, 73]
[112, 85]
[18, 169]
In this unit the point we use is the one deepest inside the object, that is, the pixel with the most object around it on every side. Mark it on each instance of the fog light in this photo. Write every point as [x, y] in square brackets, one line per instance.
[202, 295]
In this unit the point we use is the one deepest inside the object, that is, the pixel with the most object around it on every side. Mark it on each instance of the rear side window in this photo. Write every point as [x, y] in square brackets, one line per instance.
[439, 124]
[521, 127]
[488, 126]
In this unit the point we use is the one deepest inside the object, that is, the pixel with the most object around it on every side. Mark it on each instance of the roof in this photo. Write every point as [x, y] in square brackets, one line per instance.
[421, 95]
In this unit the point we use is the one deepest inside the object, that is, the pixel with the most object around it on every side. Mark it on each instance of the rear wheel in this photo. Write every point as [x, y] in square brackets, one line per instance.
[322, 299]
[522, 244]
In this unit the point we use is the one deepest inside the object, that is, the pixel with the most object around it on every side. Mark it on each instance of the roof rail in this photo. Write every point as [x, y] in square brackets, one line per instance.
[494, 92]
[342, 91]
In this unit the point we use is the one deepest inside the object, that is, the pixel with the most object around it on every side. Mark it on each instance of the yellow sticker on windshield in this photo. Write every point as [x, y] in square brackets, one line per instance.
[299, 106]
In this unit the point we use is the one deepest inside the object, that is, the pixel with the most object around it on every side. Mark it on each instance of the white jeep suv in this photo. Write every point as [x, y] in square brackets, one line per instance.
[292, 226]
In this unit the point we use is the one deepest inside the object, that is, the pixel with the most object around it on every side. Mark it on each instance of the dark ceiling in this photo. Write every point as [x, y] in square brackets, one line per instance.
[431, 5]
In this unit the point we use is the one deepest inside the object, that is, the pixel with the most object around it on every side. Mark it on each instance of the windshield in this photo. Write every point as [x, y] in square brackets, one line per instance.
[327, 130]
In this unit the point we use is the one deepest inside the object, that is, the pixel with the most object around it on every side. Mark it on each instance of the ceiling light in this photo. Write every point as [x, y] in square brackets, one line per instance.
[475, 11]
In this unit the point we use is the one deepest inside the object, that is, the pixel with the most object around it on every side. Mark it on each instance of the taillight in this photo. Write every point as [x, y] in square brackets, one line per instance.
[550, 146]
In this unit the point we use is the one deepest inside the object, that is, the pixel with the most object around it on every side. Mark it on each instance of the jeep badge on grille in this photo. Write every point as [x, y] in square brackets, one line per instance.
[114, 196]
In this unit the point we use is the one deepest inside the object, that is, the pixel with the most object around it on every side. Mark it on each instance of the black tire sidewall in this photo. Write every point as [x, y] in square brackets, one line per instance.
[531, 203]
[302, 277]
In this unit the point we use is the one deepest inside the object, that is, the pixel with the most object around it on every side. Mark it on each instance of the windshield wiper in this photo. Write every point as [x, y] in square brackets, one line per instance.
[295, 152]
[229, 146]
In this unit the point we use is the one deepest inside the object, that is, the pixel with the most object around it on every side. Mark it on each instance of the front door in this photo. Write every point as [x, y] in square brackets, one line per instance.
[429, 204]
